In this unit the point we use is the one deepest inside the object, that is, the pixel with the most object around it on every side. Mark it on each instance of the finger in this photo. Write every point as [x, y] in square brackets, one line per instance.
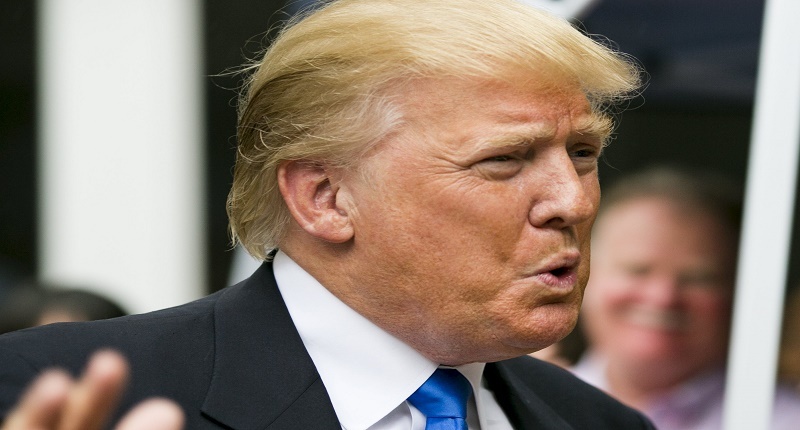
[153, 414]
[94, 398]
[41, 405]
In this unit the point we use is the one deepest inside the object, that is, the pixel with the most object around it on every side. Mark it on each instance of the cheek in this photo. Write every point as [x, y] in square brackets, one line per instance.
[461, 226]
[712, 312]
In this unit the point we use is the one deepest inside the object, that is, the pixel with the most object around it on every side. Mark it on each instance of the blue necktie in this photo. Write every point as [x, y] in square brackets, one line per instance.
[443, 400]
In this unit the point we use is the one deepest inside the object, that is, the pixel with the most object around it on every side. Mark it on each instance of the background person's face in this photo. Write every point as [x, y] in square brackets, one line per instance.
[659, 296]
[474, 236]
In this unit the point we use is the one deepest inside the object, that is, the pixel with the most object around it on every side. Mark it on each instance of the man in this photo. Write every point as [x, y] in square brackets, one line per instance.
[420, 178]
[658, 305]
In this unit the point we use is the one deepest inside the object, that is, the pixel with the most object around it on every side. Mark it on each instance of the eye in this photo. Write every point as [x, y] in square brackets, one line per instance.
[501, 166]
[700, 280]
[636, 270]
[585, 156]
[500, 159]
[584, 150]
[585, 153]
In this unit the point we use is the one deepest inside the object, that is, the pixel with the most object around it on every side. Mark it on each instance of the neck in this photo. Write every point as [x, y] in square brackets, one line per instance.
[350, 277]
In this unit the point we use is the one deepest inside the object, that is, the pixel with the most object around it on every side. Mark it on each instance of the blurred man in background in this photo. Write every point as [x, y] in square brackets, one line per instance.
[658, 305]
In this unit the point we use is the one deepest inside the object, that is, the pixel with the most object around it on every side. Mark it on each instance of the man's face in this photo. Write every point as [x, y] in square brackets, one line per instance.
[472, 235]
[659, 297]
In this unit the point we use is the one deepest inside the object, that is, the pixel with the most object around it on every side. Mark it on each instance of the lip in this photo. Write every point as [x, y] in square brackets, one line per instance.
[560, 272]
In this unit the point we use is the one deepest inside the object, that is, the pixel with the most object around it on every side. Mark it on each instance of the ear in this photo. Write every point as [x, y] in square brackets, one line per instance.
[311, 197]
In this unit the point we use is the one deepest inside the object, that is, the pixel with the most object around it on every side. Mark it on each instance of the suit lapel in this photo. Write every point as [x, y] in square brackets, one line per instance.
[263, 377]
[524, 408]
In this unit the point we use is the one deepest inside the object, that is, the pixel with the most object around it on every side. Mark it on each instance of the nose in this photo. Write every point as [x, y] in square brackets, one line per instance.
[563, 196]
[663, 290]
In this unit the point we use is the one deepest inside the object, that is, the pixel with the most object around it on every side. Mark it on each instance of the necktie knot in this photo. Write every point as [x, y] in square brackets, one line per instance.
[443, 400]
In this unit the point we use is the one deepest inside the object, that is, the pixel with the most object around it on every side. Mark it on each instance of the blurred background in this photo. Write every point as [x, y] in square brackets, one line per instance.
[701, 57]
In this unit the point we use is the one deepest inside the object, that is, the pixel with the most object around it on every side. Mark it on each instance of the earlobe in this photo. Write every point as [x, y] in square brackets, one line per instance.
[311, 196]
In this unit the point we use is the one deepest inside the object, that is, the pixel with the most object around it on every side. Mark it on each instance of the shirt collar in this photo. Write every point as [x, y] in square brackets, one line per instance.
[684, 402]
[366, 371]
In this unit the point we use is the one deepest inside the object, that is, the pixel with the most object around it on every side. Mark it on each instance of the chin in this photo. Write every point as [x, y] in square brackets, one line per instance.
[532, 341]
[555, 321]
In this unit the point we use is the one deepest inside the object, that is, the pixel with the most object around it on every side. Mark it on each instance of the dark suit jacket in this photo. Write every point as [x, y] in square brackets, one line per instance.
[234, 360]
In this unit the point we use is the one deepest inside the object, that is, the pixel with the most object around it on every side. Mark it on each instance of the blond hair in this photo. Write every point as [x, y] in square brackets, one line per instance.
[323, 91]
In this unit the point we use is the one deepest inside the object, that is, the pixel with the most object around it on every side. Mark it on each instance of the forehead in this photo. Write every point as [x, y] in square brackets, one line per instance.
[523, 105]
[646, 226]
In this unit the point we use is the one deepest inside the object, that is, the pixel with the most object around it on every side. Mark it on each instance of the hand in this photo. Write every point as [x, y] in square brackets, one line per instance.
[58, 402]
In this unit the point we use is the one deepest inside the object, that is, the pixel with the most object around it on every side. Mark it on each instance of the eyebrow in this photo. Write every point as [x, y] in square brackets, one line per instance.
[593, 126]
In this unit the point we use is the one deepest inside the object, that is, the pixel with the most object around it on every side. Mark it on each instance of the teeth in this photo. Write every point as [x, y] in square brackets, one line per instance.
[663, 320]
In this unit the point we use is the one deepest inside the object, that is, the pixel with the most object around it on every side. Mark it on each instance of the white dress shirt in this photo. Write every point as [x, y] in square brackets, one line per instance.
[697, 403]
[368, 372]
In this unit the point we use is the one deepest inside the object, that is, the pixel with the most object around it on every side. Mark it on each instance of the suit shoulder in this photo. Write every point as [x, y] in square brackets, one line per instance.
[165, 345]
[582, 405]
[68, 345]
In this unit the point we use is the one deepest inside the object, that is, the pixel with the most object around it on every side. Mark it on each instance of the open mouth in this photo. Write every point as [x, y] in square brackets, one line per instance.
[560, 272]
[560, 277]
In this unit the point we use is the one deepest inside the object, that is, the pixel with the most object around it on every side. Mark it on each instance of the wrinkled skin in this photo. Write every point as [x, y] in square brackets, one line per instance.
[469, 226]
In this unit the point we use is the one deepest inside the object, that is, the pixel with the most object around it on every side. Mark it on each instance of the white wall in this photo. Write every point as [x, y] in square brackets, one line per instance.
[121, 148]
